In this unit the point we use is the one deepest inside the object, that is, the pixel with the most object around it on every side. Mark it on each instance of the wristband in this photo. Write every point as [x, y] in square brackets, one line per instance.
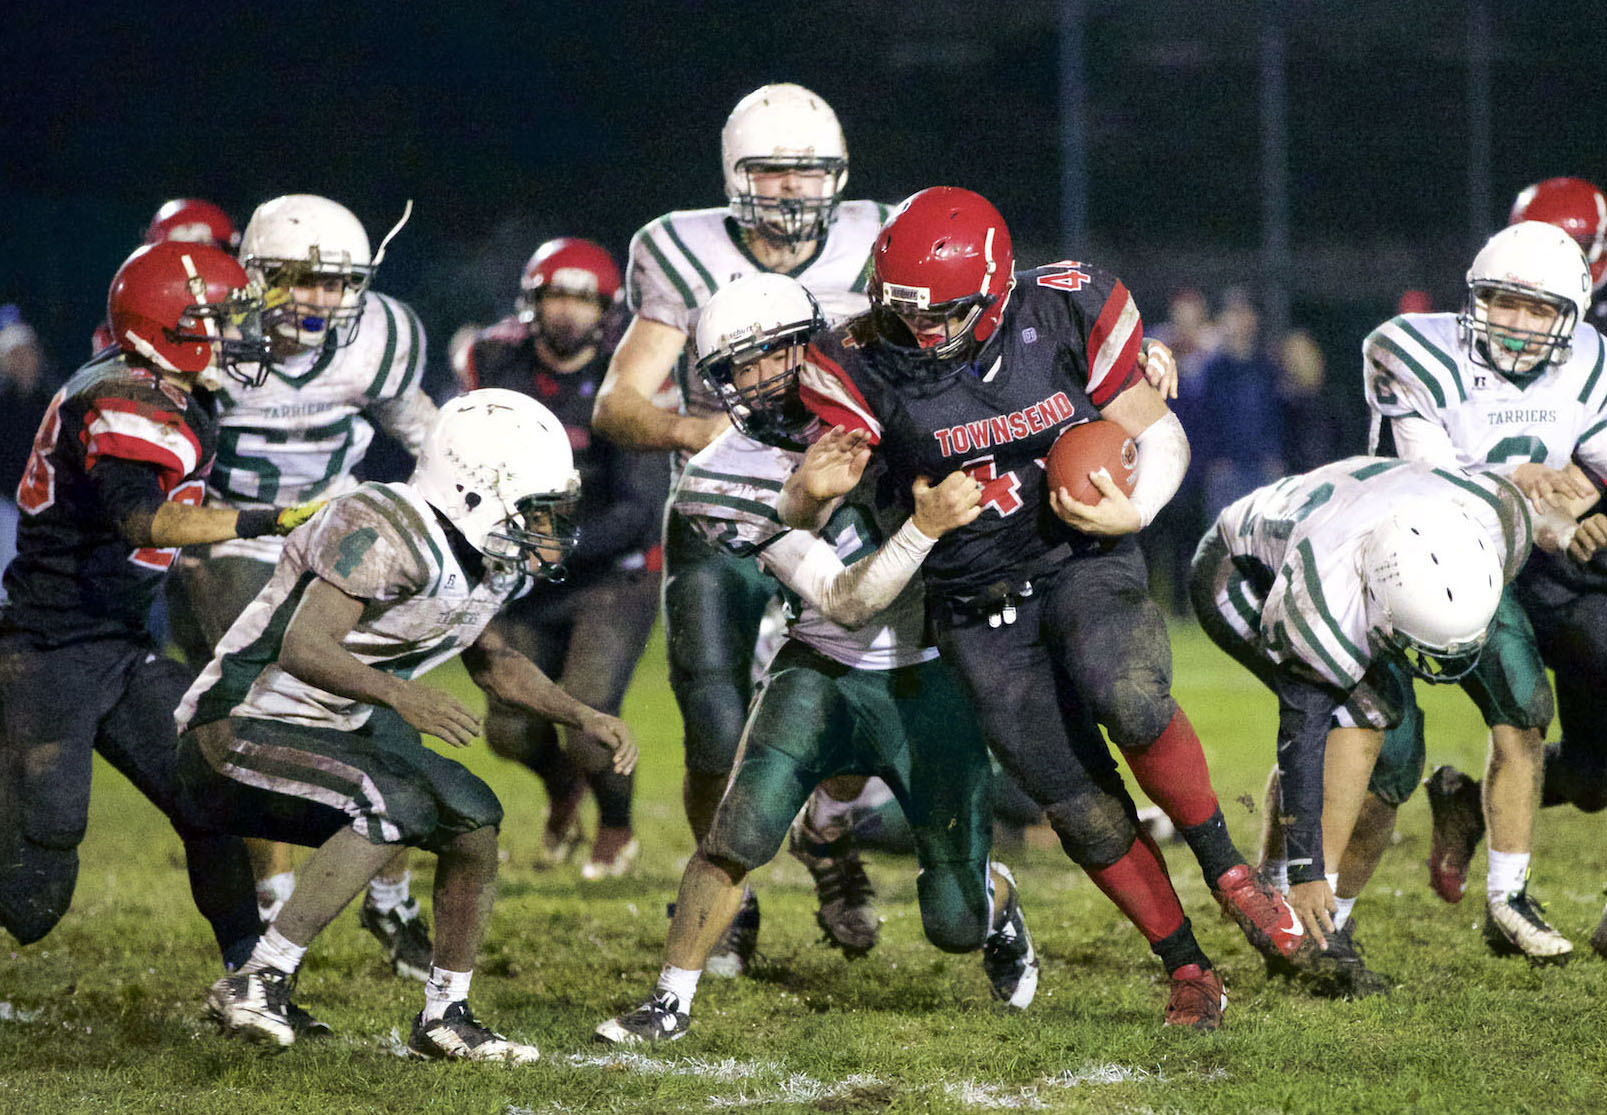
[255, 522]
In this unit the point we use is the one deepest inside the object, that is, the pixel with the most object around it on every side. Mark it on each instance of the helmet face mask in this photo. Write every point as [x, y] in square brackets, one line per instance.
[1527, 290]
[751, 338]
[799, 216]
[785, 164]
[539, 536]
[1435, 665]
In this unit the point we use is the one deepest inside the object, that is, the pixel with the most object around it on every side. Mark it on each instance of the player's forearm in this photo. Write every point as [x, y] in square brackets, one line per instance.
[510, 677]
[854, 595]
[177, 524]
[321, 661]
[1304, 713]
[629, 419]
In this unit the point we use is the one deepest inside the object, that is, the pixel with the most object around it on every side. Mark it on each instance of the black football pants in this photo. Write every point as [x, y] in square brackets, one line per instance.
[57, 707]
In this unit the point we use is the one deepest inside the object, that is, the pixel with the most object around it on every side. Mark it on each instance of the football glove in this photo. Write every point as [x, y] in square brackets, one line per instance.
[289, 518]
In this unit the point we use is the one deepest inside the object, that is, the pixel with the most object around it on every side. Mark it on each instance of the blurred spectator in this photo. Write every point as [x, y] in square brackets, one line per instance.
[26, 385]
[1311, 434]
[1169, 541]
[1238, 440]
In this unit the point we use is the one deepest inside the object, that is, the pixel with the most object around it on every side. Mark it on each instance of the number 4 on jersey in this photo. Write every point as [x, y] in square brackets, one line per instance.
[1000, 492]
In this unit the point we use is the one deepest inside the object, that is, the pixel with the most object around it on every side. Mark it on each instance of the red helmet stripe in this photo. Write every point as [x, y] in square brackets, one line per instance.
[827, 391]
[1113, 346]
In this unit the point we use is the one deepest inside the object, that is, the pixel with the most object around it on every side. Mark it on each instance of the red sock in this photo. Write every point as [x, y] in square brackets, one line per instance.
[1172, 772]
[1139, 886]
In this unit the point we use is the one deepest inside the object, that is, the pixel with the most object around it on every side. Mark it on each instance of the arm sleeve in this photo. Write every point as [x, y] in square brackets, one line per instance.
[358, 546]
[847, 595]
[131, 493]
[640, 486]
[1113, 331]
[831, 393]
[1422, 439]
[659, 279]
[407, 418]
[1163, 458]
[1305, 711]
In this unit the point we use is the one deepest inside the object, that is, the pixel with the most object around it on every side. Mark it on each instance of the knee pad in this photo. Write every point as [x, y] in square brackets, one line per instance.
[1096, 829]
[36, 893]
[954, 905]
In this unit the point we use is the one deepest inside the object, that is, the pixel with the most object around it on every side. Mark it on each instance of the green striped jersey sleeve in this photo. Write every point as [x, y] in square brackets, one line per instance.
[1312, 628]
[372, 544]
[661, 278]
[734, 516]
[1408, 372]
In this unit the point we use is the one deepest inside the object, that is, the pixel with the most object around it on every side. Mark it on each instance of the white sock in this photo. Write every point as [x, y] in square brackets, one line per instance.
[680, 982]
[272, 894]
[1333, 882]
[385, 897]
[442, 989]
[1342, 915]
[275, 950]
[1278, 874]
[1507, 870]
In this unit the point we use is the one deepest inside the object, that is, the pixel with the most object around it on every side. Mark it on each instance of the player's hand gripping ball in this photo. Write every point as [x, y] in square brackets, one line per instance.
[1089, 447]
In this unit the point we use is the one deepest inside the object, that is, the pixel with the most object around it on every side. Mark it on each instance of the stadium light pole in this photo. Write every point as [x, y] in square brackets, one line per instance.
[1479, 49]
[1073, 130]
[1275, 297]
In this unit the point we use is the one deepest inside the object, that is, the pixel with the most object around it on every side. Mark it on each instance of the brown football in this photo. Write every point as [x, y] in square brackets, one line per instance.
[1100, 444]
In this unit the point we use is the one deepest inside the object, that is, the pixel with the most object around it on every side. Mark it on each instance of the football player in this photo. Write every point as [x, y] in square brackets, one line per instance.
[785, 168]
[343, 355]
[1512, 384]
[854, 688]
[282, 736]
[190, 220]
[113, 487]
[1565, 598]
[1329, 586]
[590, 632]
[1041, 603]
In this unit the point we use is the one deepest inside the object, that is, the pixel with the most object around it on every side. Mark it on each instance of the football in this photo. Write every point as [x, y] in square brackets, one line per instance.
[1100, 444]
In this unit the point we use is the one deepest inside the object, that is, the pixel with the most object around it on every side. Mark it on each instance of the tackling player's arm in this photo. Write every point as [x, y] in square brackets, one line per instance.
[131, 492]
[1163, 458]
[852, 595]
[314, 652]
[1305, 710]
[624, 412]
[509, 676]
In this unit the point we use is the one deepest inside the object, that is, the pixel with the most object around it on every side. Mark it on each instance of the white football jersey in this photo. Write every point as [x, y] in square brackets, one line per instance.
[1306, 533]
[678, 261]
[730, 490]
[1416, 364]
[300, 435]
[383, 544]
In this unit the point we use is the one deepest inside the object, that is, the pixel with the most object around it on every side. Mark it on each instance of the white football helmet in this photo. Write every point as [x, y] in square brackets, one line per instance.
[498, 465]
[778, 128]
[302, 240]
[1433, 581]
[745, 321]
[1537, 261]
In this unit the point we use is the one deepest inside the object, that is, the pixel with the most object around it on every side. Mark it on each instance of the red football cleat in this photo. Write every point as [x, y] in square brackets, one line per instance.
[1268, 923]
[1197, 999]
[1458, 826]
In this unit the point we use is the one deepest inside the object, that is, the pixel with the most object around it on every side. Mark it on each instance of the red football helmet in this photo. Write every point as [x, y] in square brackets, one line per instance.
[1575, 206]
[178, 305]
[940, 278]
[193, 221]
[569, 265]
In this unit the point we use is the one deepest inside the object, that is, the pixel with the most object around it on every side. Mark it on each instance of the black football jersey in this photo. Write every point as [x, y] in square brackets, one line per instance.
[74, 578]
[1066, 345]
[622, 492]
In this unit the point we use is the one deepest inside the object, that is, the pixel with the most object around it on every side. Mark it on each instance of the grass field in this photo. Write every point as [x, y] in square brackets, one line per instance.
[105, 1014]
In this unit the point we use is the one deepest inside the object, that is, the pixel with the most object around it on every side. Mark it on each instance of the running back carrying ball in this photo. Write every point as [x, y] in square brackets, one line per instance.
[1088, 447]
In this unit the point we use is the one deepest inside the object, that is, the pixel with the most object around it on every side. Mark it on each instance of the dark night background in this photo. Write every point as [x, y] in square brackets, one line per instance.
[511, 123]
